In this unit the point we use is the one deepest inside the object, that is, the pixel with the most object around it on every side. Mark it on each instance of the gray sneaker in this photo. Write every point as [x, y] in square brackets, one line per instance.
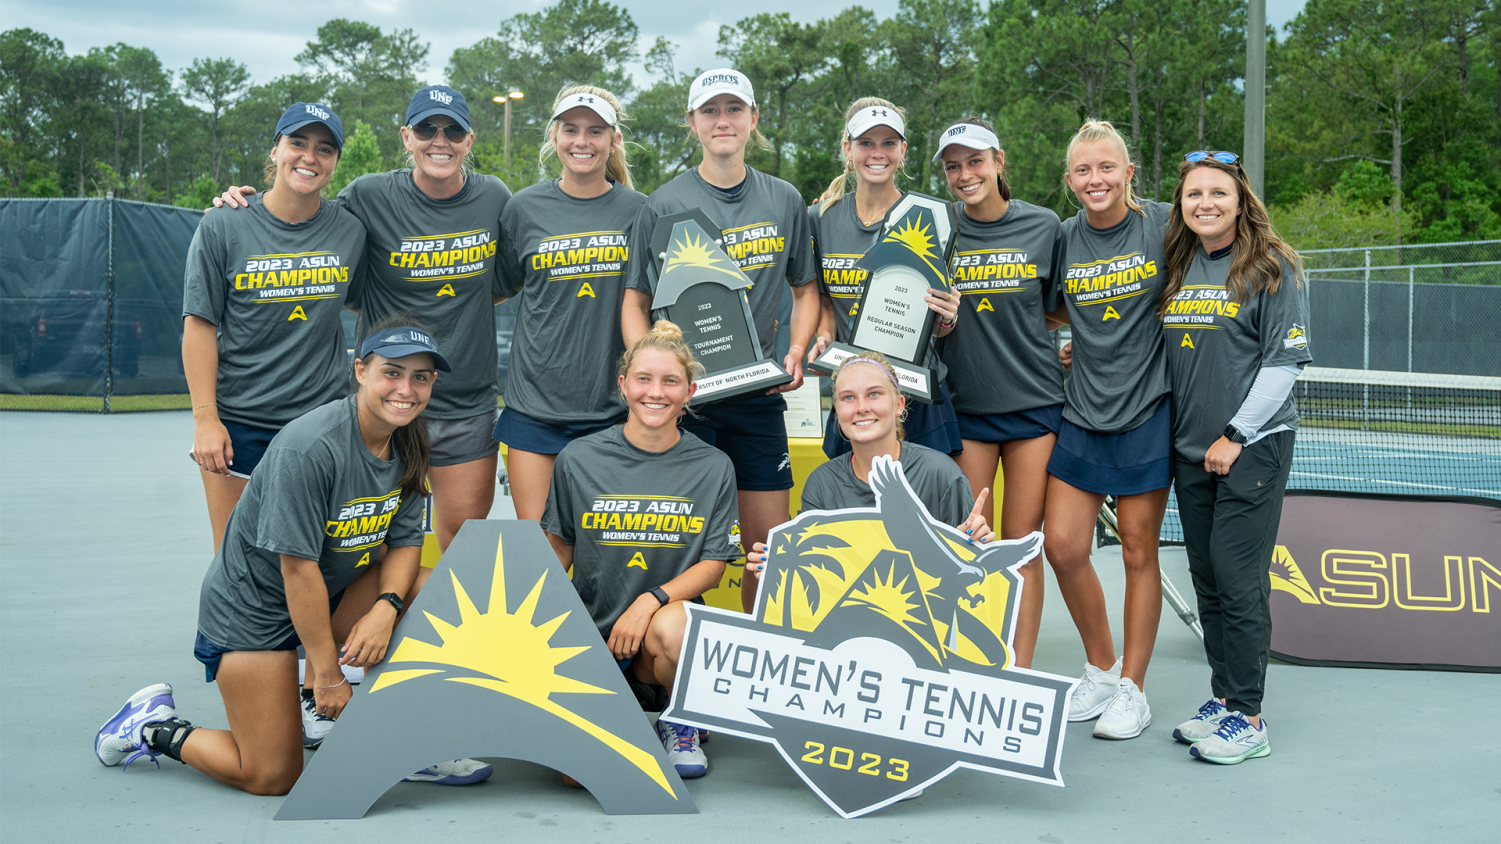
[1203, 725]
[1234, 742]
[1094, 692]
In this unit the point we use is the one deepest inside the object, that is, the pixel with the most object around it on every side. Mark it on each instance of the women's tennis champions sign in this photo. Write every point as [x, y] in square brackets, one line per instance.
[878, 658]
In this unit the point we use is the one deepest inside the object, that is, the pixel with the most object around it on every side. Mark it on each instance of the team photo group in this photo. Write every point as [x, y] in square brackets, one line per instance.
[1188, 325]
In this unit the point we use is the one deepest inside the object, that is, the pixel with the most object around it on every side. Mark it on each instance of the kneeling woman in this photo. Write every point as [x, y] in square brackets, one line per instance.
[646, 470]
[286, 575]
[870, 408]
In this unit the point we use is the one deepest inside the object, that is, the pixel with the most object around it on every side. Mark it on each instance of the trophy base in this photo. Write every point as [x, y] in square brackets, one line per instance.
[919, 382]
[756, 377]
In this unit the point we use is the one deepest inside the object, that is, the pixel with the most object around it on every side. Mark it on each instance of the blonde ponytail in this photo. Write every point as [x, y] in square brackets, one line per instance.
[664, 336]
[840, 185]
[1101, 130]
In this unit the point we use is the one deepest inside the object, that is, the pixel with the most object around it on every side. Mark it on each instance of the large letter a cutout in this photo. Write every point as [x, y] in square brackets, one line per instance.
[497, 657]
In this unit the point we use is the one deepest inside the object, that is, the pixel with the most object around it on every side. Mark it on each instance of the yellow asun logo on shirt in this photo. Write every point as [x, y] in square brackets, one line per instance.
[363, 522]
[1297, 337]
[642, 520]
[843, 280]
[984, 272]
[293, 277]
[754, 246]
[1109, 280]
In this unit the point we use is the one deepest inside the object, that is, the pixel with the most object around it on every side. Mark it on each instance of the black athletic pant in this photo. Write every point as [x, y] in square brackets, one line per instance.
[1230, 530]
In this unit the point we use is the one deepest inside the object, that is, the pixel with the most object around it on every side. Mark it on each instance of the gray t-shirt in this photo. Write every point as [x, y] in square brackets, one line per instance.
[275, 290]
[934, 476]
[1216, 346]
[1000, 357]
[765, 233]
[636, 519]
[436, 259]
[566, 258]
[318, 494]
[1111, 281]
[840, 240]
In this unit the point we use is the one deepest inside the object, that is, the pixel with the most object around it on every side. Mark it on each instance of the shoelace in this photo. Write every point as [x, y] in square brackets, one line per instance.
[1210, 709]
[686, 736]
[142, 751]
[311, 707]
[1120, 701]
[1232, 724]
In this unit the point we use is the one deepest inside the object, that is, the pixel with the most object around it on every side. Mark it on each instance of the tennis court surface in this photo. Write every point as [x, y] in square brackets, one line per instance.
[103, 544]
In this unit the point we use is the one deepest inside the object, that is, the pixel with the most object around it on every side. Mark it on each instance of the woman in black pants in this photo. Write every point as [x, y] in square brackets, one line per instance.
[1235, 322]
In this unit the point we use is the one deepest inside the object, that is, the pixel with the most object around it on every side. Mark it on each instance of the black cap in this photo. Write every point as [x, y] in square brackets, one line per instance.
[401, 342]
[438, 99]
[301, 114]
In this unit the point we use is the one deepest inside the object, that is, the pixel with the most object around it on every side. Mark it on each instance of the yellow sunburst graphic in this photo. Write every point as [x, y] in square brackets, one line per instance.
[1287, 577]
[693, 251]
[515, 655]
[915, 236]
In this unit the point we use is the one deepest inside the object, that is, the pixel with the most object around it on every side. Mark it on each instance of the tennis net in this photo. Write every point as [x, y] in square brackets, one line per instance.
[1408, 433]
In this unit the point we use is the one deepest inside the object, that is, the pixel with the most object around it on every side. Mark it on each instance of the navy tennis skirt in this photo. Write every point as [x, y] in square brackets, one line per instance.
[1128, 463]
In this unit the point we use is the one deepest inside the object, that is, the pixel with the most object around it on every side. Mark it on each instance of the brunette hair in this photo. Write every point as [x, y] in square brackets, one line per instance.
[1256, 256]
[667, 337]
[1101, 130]
[877, 359]
[837, 188]
[1000, 163]
[410, 440]
[617, 166]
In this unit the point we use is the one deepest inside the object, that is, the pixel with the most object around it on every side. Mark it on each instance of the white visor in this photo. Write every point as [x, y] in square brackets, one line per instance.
[867, 119]
[712, 83]
[969, 135]
[594, 103]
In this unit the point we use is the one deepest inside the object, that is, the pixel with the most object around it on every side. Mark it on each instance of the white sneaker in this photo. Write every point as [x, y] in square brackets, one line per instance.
[315, 727]
[1234, 742]
[1094, 691]
[457, 772]
[1126, 714]
[119, 740]
[1202, 725]
[683, 752]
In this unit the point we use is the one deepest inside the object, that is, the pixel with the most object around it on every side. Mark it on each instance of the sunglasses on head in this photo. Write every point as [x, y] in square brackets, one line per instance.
[426, 131]
[1218, 155]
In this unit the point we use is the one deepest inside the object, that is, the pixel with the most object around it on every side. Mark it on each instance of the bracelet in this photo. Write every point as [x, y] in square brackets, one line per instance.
[947, 323]
[334, 686]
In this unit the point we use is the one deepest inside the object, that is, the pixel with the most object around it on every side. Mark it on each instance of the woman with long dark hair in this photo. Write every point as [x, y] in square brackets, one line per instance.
[1235, 320]
[301, 564]
[1003, 372]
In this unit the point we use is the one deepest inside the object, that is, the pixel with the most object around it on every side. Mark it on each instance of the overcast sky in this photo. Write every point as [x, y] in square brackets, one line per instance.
[266, 34]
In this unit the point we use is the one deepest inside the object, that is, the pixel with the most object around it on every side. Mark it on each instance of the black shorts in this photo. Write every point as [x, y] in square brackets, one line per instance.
[524, 433]
[249, 443]
[753, 432]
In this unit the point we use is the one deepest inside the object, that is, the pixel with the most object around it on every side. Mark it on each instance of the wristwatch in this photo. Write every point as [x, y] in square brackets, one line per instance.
[1234, 435]
[395, 600]
[661, 595]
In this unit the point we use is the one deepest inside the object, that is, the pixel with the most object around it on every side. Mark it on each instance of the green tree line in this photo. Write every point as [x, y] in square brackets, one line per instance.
[1383, 118]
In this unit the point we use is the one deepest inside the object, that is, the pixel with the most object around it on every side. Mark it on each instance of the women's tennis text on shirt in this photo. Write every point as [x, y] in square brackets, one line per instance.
[293, 277]
[755, 245]
[652, 519]
[1110, 278]
[590, 253]
[1199, 304]
[363, 522]
[460, 254]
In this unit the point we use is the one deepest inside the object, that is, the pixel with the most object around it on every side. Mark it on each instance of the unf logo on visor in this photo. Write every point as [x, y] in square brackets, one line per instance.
[441, 97]
[317, 112]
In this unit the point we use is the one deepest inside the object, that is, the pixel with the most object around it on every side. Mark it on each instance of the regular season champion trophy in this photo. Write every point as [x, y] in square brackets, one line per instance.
[703, 291]
[910, 255]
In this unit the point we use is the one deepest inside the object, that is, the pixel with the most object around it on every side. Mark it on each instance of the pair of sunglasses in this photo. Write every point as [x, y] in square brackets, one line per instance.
[426, 131]
[1218, 155]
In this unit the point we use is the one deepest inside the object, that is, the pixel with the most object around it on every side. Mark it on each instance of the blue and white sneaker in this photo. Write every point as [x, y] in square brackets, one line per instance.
[683, 752]
[1234, 742]
[1202, 725]
[315, 725]
[457, 772]
[119, 740]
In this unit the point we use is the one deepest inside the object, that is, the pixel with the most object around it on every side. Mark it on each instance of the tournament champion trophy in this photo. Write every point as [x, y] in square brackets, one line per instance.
[911, 254]
[704, 292]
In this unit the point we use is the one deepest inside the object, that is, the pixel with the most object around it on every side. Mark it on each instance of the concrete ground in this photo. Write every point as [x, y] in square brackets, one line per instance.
[103, 543]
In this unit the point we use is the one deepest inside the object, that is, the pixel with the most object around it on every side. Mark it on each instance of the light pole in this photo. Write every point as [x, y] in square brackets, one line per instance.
[506, 98]
[1254, 153]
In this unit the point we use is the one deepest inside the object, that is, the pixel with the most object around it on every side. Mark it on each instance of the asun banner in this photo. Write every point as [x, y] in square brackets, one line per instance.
[878, 659]
[1388, 580]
